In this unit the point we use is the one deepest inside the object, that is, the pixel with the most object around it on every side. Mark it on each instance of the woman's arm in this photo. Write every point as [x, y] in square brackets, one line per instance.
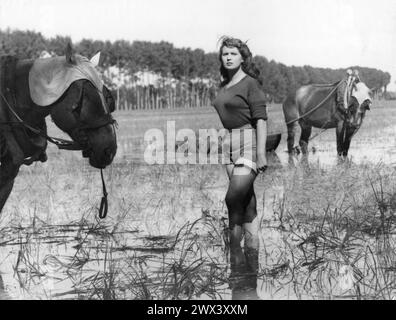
[258, 110]
[261, 128]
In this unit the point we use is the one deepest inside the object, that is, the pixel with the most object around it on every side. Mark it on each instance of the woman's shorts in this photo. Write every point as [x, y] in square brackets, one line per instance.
[240, 147]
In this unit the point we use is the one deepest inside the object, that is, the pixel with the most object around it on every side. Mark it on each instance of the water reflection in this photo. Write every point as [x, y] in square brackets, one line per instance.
[304, 252]
[363, 148]
[243, 277]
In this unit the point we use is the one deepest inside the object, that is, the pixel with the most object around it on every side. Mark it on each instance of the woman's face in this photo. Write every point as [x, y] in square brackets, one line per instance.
[231, 58]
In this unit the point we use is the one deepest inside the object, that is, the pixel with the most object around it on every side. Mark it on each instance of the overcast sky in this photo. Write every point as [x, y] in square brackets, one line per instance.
[321, 33]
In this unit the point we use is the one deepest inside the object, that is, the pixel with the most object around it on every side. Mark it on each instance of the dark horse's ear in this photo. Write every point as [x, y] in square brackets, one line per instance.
[69, 53]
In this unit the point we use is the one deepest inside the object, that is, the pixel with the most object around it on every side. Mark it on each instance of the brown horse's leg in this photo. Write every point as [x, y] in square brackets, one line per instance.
[347, 140]
[11, 161]
[291, 132]
[304, 138]
[340, 133]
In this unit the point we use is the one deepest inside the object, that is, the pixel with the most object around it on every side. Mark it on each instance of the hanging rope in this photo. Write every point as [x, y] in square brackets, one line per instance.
[319, 105]
[61, 144]
[104, 206]
[316, 108]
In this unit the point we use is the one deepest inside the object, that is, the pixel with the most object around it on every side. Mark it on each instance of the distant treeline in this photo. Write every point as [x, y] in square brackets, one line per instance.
[183, 64]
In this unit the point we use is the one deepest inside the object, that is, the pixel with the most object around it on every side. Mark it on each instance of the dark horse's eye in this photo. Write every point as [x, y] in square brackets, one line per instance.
[109, 99]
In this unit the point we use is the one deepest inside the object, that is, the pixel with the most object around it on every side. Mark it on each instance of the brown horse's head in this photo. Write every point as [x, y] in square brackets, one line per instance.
[360, 102]
[84, 112]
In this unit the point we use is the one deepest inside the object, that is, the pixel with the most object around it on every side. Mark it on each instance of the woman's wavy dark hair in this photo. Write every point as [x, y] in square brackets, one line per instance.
[248, 65]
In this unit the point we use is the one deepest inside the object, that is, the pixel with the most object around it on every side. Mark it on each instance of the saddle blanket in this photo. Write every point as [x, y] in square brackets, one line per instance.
[49, 78]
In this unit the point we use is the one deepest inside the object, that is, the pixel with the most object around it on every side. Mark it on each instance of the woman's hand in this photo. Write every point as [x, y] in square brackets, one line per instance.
[261, 162]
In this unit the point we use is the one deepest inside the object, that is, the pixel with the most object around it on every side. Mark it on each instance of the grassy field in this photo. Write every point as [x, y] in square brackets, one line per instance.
[327, 228]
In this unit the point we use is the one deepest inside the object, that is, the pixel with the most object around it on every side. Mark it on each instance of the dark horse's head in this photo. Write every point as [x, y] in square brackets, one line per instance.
[84, 112]
[359, 103]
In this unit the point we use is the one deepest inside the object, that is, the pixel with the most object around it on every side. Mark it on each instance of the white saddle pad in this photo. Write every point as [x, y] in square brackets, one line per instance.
[361, 92]
[49, 78]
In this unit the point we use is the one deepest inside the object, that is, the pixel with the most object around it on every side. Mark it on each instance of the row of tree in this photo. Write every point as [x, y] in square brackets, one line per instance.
[165, 96]
[183, 64]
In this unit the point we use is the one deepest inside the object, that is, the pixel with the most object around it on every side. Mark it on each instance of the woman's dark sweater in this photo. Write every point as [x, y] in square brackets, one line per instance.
[242, 103]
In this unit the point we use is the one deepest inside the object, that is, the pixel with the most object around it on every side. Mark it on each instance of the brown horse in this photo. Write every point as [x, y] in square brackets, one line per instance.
[316, 106]
[70, 90]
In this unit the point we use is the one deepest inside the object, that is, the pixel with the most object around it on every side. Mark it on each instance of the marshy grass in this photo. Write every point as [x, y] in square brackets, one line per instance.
[337, 232]
[326, 234]
[149, 249]
[327, 231]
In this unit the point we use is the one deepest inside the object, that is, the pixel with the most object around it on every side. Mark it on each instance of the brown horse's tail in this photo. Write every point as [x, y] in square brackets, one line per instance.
[290, 108]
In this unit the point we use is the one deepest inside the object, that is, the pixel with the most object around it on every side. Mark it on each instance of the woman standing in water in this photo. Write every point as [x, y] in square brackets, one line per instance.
[241, 107]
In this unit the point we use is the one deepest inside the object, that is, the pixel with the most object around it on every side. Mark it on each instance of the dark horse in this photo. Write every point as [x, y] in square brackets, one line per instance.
[68, 88]
[316, 106]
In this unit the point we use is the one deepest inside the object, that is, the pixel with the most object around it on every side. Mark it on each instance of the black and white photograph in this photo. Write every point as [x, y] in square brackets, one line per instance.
[212, 151]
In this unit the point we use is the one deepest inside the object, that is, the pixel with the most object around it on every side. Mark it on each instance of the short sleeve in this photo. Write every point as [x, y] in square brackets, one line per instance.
[257, 102]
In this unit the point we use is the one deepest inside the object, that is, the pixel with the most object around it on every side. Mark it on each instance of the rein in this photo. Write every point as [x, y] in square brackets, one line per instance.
[60, 143]
[65, 144]
[318, 106]
[104, 206]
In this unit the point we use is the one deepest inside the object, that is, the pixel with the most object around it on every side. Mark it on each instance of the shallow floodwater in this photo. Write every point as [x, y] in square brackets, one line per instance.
[92, 259]
[372, 143]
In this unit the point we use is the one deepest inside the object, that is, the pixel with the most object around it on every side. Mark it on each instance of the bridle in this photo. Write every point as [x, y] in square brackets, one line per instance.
[82, 127]
[348, 125]
[80, 130]
[63, 143]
